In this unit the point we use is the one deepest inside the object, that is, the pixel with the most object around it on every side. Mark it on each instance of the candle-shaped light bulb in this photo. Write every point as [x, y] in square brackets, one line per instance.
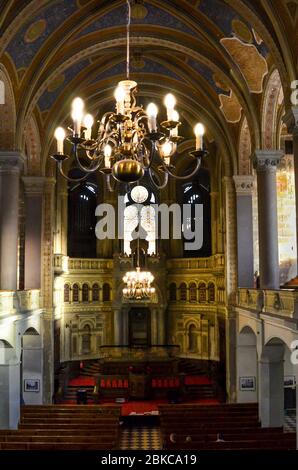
[166, 150]
[199, 131]
[174, 132]
[88, 123]
[107, 154]
[152, 111]
[170, 102]
[77, 113]
[119, 97]
[60, 136]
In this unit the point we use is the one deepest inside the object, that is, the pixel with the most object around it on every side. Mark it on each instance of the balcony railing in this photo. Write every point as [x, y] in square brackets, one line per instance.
[277, 302]
[213, 262]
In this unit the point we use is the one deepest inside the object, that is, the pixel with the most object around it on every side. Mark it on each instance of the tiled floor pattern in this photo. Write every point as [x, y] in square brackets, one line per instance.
[290, 421]
[139, 438]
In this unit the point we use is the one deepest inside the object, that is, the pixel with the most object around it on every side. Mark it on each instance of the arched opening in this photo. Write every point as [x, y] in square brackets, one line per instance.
[202, 292]
[172, 292]
[86, 340]
[85, 293]
[9, 386]
[211, 292]
[106, 292]
[32, 367]
[192, 338]
[195, 193]
[275, 364]
[82, 202]
[66, 293]
[144, 196]
[95, 293]
[247, 368]
[183, 292]
[193, 294]
[75, 293]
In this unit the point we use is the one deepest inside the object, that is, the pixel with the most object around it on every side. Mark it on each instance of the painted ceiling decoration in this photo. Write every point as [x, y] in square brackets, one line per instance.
[217, 55]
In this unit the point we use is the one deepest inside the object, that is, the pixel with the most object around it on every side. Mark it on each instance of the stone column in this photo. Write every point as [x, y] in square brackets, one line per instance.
[265, 163]
[214, 221]
[231, 285]
[61, 216]
[9, 395]
[10, 168]
[244, 190]
[34, 188]
[271, 393]
[161, 326]
[117, 327]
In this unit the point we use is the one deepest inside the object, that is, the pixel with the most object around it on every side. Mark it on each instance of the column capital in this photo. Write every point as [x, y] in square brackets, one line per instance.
[244, 184]
[267, 160]
[34, 185]
[11, 162]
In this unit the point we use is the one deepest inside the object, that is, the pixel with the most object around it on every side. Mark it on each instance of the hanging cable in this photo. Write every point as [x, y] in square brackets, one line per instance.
[128, 39]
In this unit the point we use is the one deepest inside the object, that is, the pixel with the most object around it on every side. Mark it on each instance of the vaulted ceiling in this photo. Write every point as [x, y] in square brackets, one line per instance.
[217, 56]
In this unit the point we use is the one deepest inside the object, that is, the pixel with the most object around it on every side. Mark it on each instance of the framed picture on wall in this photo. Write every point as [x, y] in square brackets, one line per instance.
[31, 385]
[290, 381]
[247, 384]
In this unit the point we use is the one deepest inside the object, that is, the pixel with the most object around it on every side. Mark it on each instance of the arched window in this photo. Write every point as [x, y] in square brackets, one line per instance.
[192, 338]
[202, 292]
[183, 292]
[75, 293]
[95, 293]
[193, 292]
[173, 292]
[86, 339]
[66, 293]
[82, 202]
[85, 293]
[211, 292]
[106, 292]
[198, 192]
[139, 195]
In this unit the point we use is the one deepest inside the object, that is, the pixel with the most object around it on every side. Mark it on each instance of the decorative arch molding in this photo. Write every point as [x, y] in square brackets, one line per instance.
[33, 147]
[8, 113]
[272, 97]
[245, 149]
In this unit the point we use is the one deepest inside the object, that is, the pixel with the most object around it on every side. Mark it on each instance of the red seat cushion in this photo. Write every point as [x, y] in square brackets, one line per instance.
[114, 383]
[172, 383]
[102, 383]
[108, 383]
[165, 383]
[120, 383]
[159, 383]
[125, 383]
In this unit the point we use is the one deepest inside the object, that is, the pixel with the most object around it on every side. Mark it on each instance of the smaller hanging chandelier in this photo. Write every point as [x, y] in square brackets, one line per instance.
[138, 285]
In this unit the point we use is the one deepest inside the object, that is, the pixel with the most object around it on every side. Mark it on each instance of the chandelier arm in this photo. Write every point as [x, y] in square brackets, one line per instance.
[85, 169]
[186, 177]
[163, 185]
[109, 185]
[152, 152]
[72, 180]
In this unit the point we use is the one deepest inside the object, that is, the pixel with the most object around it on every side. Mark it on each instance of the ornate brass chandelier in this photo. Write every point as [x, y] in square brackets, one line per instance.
[129, 141]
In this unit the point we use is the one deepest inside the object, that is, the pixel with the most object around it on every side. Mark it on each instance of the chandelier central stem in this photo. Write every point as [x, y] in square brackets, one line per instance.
[128, 39]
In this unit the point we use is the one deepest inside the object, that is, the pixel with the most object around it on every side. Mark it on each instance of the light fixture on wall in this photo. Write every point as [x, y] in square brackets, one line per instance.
[129, 140]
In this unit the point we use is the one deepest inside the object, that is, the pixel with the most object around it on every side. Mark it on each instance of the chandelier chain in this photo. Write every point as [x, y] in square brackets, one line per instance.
[128, 39]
